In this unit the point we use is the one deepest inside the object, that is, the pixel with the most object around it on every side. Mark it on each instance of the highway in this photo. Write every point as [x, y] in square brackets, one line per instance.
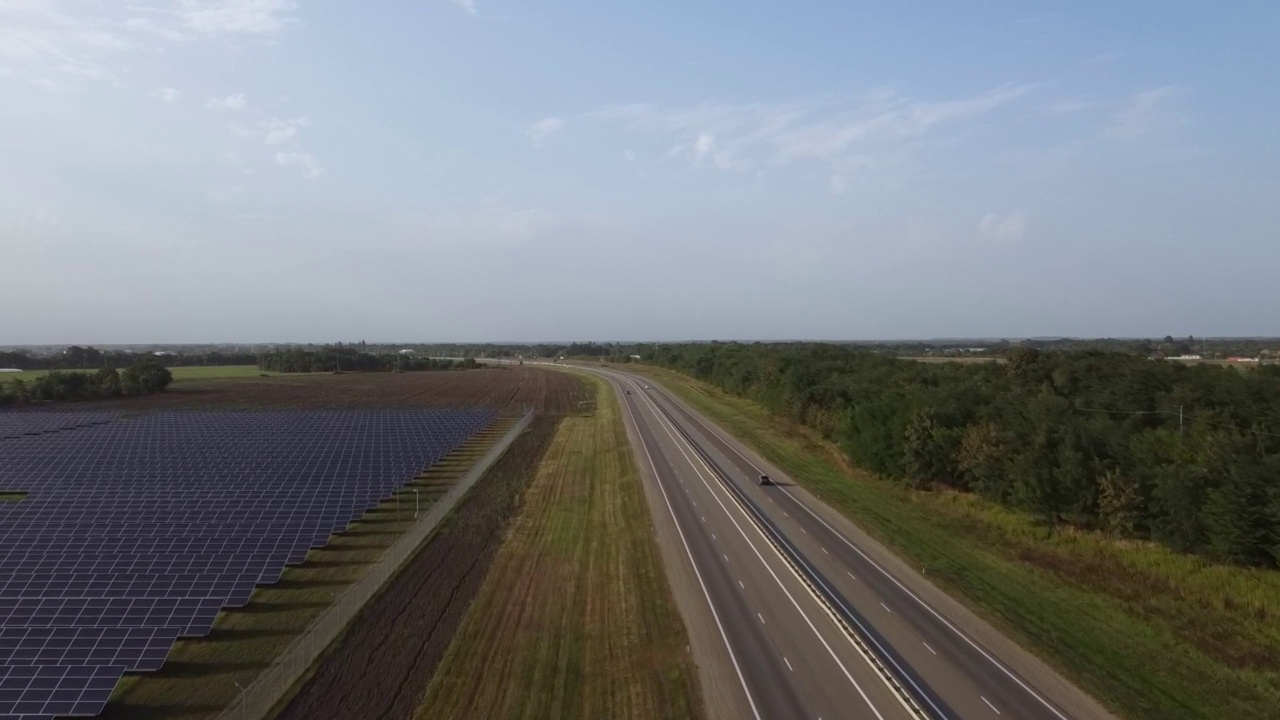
[800, 620]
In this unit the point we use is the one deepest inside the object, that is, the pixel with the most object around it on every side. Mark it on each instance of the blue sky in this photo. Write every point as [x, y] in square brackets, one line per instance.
[262, 170]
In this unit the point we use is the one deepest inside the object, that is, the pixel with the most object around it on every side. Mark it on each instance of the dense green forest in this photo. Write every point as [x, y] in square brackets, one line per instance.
[146, 375]
[1187, 456]
[351, 358]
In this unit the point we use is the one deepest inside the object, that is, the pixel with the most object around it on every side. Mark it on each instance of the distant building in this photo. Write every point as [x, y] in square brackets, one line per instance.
[1187, 358]
[1242, 360]
[406, 352]
[10, 370]
[163, 353]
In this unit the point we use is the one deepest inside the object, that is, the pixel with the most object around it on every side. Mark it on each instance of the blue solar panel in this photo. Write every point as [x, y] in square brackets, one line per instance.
[136, 530]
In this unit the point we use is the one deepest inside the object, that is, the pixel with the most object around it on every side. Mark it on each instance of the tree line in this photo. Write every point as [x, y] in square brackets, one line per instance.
[351, 358]
[1187, 456]
[76, 357]
[147, 375]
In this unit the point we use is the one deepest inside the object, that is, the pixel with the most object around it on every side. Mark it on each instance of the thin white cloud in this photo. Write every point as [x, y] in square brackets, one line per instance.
[703, 146]
[1067, 106]
[311, 167]
[231, 17]
[545, 127]
[280, 131]
[628, 155]
[468, 6]
[151, 27]
[166, 94]
[231, 103]
[1002, 229]
[845, 133]
[1146, 115]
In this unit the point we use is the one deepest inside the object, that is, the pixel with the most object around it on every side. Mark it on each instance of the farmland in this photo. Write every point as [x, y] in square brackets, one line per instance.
[201, 676]
[575, 619]
[180, 374]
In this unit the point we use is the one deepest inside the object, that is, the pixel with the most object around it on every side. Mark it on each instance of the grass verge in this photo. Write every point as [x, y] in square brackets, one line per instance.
[200, 677]
[209, 372]
[1150, 633]
[575, 619]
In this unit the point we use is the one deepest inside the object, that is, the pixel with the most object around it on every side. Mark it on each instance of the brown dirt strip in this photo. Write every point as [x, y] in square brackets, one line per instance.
[380, 667]
[505, 388]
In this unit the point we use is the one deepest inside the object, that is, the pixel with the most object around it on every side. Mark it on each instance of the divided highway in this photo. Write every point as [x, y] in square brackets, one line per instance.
[812, 625]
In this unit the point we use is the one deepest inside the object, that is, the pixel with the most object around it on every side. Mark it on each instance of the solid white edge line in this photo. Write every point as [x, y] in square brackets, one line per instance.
[1001, 666]
[710, 605]
[680, 442]
[982, 651]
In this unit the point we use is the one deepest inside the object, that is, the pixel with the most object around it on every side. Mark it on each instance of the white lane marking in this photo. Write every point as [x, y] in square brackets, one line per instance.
[744, 587]
[713, 536]
[982, 651]
[762, 622]
[824, 551]
[726, 558]
[926, 647]
[988, 702]
[846, 572]
[680, 443]
[704, 518]
[723, 635]
[886, 608]
[788, 662]
[806, 532]
[784, 512]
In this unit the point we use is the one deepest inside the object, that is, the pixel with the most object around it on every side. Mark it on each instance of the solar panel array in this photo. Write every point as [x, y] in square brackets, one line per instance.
[137, 531]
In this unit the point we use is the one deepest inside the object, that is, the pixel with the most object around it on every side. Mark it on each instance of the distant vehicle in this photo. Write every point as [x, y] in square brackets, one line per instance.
[764, 480]
[628, 392]
[648, 387]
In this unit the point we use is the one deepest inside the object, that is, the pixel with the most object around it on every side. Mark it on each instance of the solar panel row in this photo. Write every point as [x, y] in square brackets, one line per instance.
[135, 532]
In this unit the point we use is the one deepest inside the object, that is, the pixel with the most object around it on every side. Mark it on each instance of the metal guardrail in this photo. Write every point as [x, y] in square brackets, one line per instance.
[259, 697]
[912, 696]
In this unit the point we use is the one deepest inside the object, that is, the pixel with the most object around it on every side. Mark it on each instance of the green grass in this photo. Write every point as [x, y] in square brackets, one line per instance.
[1150, 633]
[575, 619]
[217, 372]
[199, 678]
[12, 496]
[210, 372]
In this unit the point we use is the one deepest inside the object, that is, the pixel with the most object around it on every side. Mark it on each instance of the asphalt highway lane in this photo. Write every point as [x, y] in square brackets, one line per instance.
[792, 659]
[789, 638]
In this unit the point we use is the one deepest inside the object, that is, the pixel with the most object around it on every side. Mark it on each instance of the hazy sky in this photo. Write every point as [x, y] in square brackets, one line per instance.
[258, 170]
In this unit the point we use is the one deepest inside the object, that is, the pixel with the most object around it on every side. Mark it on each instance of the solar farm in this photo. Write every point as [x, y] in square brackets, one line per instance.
[122, 533]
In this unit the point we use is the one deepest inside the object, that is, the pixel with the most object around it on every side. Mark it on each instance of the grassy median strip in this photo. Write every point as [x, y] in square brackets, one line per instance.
[1150, 633]
[575, 619]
